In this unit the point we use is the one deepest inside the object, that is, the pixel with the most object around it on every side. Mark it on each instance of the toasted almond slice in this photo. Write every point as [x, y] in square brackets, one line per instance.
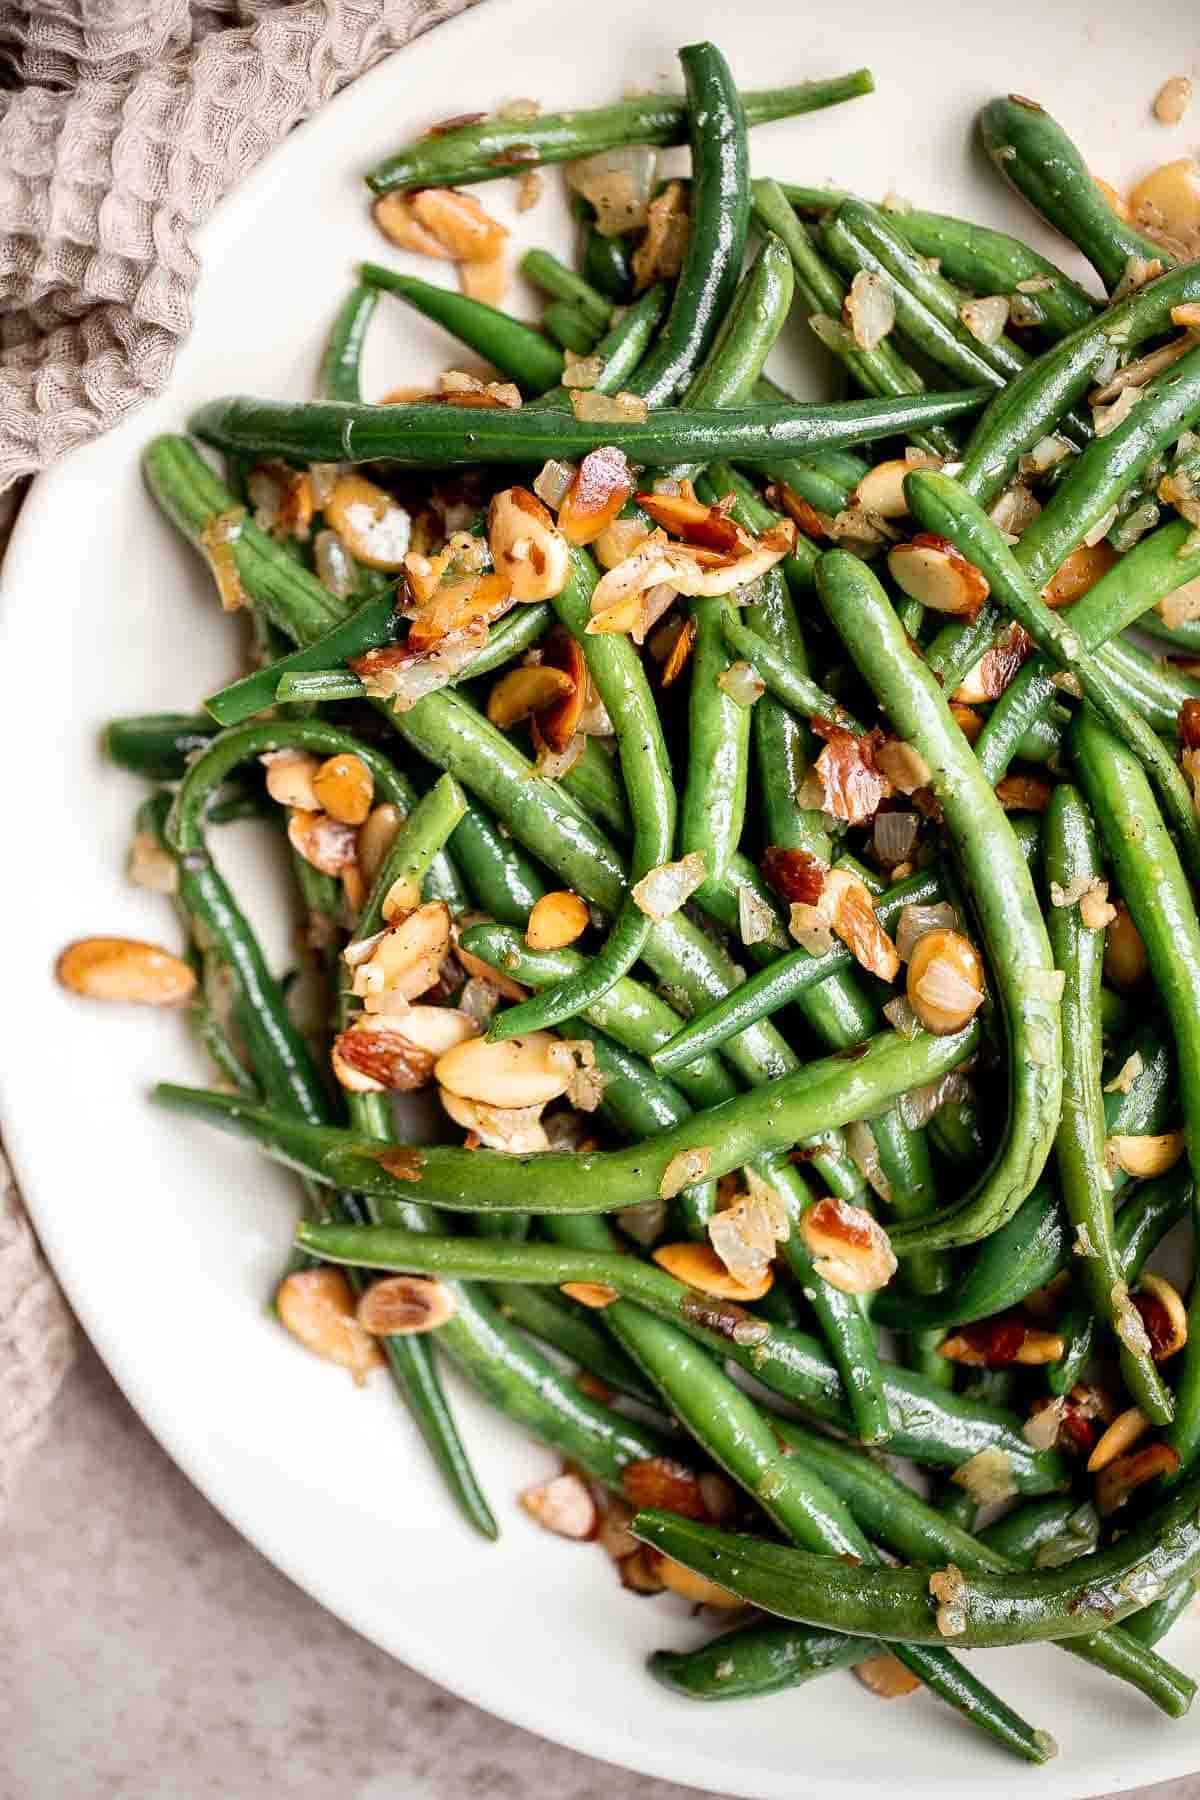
[317, 1307]
[1039, 1347]
[946, 984]
[639, 1572]
[1119, 1478]
[886, 1676]
[438, 1028]
[1023, 793]
[405, 1306]
[563, 1506]
[1125, 960]
[514, 1074]
[881, 489]
[701, 1268]
[394, 215]
[559, 721]
[696, 1588]
[1124, 1432]
[526, 545]
[595, 1294]
[1163, 1314]
[601, 486]
[459, 223]
[1080, 571]
[375, 1057]
[557, 920]
[322, 841]
[850, 1249]
[290, 778]
[113, 968]
[711, 527]
[372, 525]
[518, 1131]
[398, 968]
[345, 787]
[667, 1485]
[1173, 99]
[619, 540]
[931, 570]
[526, 690]
[1152, 1154]
[1116, 200]
[485, 279]
[1166, 203]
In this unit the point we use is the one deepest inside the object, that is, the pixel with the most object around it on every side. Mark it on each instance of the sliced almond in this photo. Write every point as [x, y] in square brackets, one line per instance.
[526, 690]
[594, 1294]
[563, 1506]
[556, 920]
[929, 569]
[559, 720]
[601, 486]
[485, 279]
[345, 787]
[1120, 1477]
[698, 1589]
[886, 1676]
[372, 525]
[375, 1057]
[326, 843]
[394, 215]
[881, 489]
[1166, 205]
[517, 1131]
[1173, 99]
[404, 960]
[1124, 1432]
[290, 778]
[526, 545]
[699, 1266]
[459, 223]
[405, 1306]
[1081, 570]
[945, 984]
[850, 1249]
[1163, 1314]
[113, 968]
[517, 1073]
[317, 1307]
[1152, 1154]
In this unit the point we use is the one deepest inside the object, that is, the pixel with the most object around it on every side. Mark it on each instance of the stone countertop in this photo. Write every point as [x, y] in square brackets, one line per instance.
[147, 1652]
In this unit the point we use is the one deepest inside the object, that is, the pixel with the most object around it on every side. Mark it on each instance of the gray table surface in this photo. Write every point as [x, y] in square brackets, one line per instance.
[147, 1652]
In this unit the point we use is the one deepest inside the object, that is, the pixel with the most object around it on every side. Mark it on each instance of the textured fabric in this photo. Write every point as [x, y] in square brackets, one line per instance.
[126, 122]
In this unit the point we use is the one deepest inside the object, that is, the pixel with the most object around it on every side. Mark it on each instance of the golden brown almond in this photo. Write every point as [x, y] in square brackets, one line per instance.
[1166, 204]
[681, 649]
[404, 960]
[667, 1485]
[1164, 1315]
[514, 1130]
[881, 489]
[600, 487]
[1120, 1437]
[595, 1294]
[1040, 1347]
[850, 1249]
[459, 223]
[517, 1073]
[614, 1535]
[394, 215]
[372, 525]
[527, 546]
[1173, 99]
[696, 1588]
[639, 1572]
[526, 690]
[1125, 960]
[345, 787]
[931, 570]
[1080, 571]
[1023, 793]
[1117, 1481]
[485, 279]
[290, 778]
[557, 920]
[564, 1506]
[699, 1266]
[1114, 199]
[374, 1058]
[560, 719]
[945, 984]
[322, 841]
[113, 968]
[1142, 1156]
[317, 1307]
[886, 1676]
[405, 1306]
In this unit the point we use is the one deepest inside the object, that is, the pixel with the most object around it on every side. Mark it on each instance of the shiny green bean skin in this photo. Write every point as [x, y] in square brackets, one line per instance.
[568, 1328]
[620, 680]
[493, 148]
[619, 351]
[502, 879]
[822, 290]
[820, 1096]
[157, 745]
[783, 679]
[1071, 854]
[1016, 1538]
[993, 866]
[935, 497]
[1152, 1624]
[517, 350]
[931, 1425]
[421, 436]
[1156, 890]
[766, 1658]
[991, 262]
[988, 1610]
[718, 219]
[340, 365]
[1184, 1433]
[1035, 156]
[784, 980]
[570, 328]
[561, 283]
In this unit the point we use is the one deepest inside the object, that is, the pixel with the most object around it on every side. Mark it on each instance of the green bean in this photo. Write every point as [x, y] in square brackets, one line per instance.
[156, 745]
[1156, 890]
[783, 981]
[339, 379]
[1184, 1433]
[501, 877]
[517, 350]
[447, 436]
[931, 1425]
[568, 1328]
[193, 498]
[605, 262]
[369, 626]
[1072, 855]
[782, 678]
[897, 1518]
[991, 262]
[820, 1096]
[976, 1610]
[496, 147]
[993, 866]
[561, 283]
[934, 497]
[1035, 155]
[879, 371]
[619, 351]
[1152, 1624]
[766, 1658]
[814, 483]
[616, 669]
[594, 779]
[570, 328]
[1016, 1539]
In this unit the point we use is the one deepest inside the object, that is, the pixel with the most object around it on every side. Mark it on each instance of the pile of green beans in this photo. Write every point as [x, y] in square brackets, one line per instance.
[757, 1064]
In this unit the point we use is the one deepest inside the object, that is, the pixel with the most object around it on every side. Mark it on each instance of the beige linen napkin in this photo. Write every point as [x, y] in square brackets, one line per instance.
[126, 122]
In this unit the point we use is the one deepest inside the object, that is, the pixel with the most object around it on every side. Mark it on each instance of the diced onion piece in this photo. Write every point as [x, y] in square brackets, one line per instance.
[915, 921]
[864, 1154]
[986, 319]
[564, 1506]
[1045, 454]
[334, 564]
[757, 923]
[833, 334]
[987, 1476]
[623, 408]
[552, 481]
[742, 682]
[895, 837]
[1014, 510]
[618, 183]
[1129, 1072]
[901, 1017]
[850, 1249]
[919, 1104]
[1141, 1156]
[1107, 418]
[665, 889]
[903, 765]
[551, 764]
[1181, 606]
[869, 309]
[581, 371]
[644, 1223]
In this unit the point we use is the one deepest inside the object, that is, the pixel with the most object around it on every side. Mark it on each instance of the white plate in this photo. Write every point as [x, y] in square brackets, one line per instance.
[167, 1236]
